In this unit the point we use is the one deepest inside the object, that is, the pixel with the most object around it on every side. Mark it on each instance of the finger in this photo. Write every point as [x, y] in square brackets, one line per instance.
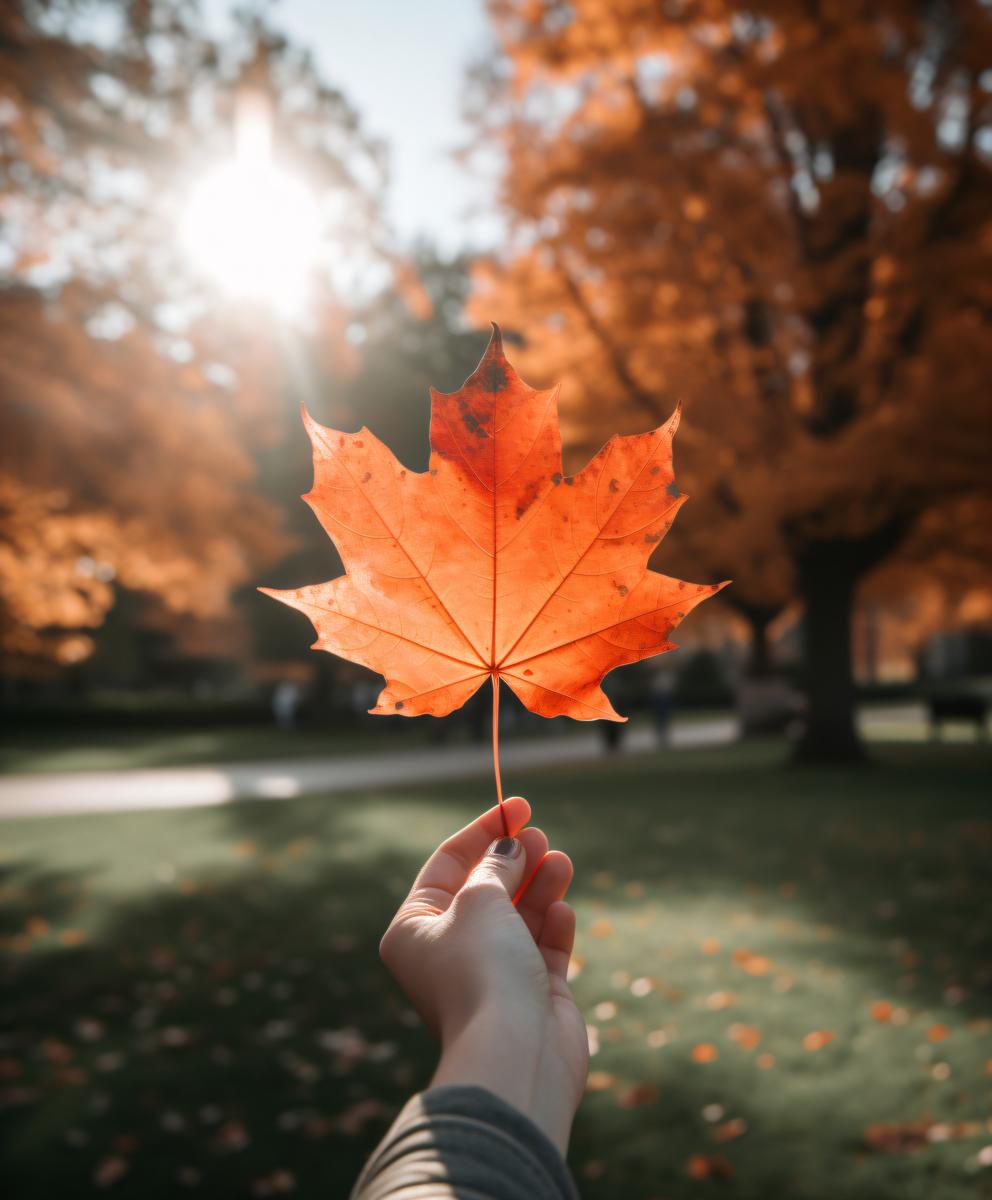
[548, 884]
[448, 867]
[498, 874]
[535, 843]
[557, 938]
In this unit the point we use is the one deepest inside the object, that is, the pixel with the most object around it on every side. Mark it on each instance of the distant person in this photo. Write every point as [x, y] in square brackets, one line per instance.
[488, 980]
[662, 693]
[285, 704]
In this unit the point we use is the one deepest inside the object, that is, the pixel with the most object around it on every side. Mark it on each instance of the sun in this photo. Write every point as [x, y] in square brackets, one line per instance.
[255, 231]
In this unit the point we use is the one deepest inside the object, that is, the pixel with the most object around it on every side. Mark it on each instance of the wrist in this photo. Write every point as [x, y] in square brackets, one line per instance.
[513, 1061]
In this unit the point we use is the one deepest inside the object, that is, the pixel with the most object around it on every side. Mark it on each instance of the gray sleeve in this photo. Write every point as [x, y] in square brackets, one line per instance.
[464, 1143]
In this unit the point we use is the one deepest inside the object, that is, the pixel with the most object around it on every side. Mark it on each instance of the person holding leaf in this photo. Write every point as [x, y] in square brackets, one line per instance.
[492, 567]
[481, 946]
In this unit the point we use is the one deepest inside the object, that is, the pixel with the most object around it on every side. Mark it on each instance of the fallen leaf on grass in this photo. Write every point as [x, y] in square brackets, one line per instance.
[752, 964]
[109, 1170]
[716, 1001]
[897, 1137]
[600, 1081]
[637, 1095]
[354, 1119]
[746, 1036]
[708, 1166]
[232, 1136]
[817, 1039]
[730, 1130]
[278, 1183]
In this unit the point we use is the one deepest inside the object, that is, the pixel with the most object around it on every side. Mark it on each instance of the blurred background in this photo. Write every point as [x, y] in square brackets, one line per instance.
[778, 214]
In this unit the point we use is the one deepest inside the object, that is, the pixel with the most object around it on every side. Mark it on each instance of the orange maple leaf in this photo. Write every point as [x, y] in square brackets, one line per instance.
[493, 564]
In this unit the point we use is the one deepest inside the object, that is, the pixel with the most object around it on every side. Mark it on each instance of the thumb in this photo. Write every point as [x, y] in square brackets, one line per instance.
[502, 866]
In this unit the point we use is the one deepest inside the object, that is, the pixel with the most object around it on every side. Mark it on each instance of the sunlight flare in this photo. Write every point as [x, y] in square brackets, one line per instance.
[254, 230]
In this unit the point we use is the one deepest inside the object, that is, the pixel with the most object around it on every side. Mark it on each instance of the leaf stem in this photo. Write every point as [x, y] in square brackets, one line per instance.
[499, 782]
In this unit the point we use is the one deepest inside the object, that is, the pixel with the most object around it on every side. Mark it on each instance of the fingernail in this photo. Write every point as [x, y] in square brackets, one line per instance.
[505, 847]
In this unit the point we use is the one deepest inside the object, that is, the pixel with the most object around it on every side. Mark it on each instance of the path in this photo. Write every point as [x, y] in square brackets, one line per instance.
[192, 787]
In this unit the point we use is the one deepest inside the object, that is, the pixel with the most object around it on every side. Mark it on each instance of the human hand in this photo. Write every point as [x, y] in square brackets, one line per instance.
[488, 978]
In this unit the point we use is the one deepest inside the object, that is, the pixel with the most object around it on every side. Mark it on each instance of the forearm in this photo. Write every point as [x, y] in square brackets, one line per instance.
[511, 1061]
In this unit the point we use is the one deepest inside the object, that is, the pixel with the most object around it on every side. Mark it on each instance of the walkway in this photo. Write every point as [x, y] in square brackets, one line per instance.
[192, 787]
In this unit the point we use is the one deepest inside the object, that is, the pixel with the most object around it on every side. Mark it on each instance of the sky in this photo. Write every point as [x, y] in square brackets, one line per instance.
[401, 64]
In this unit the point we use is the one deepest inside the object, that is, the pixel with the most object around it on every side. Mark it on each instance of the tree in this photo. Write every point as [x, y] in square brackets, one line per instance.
[138, 404]
[748, 209]
[411, 347]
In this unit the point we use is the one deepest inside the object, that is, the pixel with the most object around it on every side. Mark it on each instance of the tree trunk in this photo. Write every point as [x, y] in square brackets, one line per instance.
[871, 637]
[760, 660]
[827, 579]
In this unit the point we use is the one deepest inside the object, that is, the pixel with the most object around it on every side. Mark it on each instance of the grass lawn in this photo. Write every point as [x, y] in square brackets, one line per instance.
[786, 974]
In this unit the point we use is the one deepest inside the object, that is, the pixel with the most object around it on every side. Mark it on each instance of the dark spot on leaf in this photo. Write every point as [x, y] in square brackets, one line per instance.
[655, 469]
[569, 481]
[399, 705]
[359, 443]
[528, 497]
[492, 377]
[622, 588]
[681, 585]
[652, 538]
[528, 671]
[556, 478]
[673, 489]
[614, 486]
[470, 420]
[433, 470]
[366, 477]
[402, 474]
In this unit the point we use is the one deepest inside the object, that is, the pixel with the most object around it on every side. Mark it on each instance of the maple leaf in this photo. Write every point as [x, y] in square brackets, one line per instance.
[493, 564]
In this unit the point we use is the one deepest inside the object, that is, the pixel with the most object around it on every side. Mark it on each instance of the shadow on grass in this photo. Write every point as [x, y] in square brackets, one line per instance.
[226, 1027]
[228, 1037]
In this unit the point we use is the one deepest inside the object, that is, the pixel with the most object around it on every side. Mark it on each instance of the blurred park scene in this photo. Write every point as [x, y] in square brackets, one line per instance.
[776, 215]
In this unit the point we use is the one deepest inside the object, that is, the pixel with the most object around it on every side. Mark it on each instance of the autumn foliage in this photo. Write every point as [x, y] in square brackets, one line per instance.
[117, 469]
[138, 409]
[781, 218]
